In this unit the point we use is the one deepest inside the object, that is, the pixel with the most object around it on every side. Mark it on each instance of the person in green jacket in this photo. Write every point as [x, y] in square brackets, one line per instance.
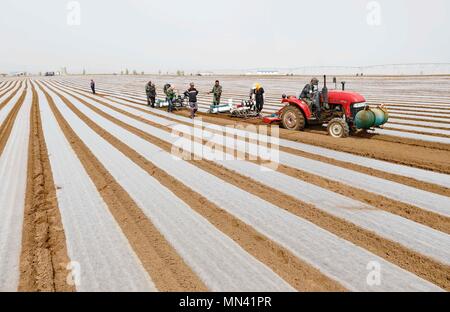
[170, 96]
[217, 93]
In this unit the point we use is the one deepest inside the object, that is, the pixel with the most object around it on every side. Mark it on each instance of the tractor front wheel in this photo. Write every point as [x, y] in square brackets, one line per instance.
[338, 128]
[292, 119]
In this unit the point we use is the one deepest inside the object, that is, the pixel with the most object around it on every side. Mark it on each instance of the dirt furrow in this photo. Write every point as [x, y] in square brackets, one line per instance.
[397, 107]
[420, 114]
[435, 146]
[167, 269]
[7, 125]
[44, 255]
[420, 265]
[381, 137]
[433, 220]
[421, 119]
[4, 84]
[8, 88]
[434, 127]
[419, 156]
[439, 135]
[299, 274]
[423, 155]
[429, 187]
[373, 172]
[6, 101]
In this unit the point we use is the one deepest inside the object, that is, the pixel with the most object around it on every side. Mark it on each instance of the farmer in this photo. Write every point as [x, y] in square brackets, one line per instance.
[170, 96]
[258, 92]
[192, 93]
[217, 93]
[150, 90]
[309, 89]
[93, 86]
[310, 94]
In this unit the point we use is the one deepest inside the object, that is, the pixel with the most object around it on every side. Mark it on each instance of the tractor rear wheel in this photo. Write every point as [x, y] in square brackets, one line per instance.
[338, 128]
[292, 119]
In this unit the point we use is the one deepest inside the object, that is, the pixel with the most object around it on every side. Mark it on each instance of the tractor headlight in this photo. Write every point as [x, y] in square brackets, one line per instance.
[360, 105]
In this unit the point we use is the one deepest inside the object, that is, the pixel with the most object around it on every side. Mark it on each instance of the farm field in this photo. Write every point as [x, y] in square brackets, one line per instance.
[91, 187]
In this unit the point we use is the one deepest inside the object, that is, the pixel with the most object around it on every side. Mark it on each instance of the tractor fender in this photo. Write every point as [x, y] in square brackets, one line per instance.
[300, 104]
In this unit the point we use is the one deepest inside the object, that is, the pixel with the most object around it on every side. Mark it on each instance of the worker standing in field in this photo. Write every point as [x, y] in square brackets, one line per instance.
[192, 93]
[170, 96]
[217, 93]
[150, 90]
[93, 86]
[258, 92]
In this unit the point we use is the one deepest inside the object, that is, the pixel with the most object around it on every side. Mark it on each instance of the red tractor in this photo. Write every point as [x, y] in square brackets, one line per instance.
[337, 109]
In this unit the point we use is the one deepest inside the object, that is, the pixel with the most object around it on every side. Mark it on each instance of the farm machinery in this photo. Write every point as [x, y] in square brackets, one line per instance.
[246, 109]
[343, 112]
[179, 102]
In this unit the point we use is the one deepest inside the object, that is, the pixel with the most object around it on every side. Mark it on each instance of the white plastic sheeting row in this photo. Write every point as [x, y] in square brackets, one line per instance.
[9, 106]
[410, 172]
[269, 108]
[219, 261]
[336, 257]
[420, 124]
[13, 173]
[98, 249]
[393, 190]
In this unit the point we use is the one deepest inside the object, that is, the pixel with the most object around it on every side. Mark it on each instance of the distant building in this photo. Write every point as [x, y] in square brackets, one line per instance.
[18, 74]
[205, 74]
[267, 72]
[264, 73]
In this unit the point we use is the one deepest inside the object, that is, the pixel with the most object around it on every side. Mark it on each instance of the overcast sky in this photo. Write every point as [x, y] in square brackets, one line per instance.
[152, 35]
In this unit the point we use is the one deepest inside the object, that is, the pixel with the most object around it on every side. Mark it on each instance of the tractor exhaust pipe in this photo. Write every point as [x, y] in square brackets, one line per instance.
[325, 92]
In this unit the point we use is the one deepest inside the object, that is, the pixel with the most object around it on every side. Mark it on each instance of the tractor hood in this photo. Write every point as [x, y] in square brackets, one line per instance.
[344, 97]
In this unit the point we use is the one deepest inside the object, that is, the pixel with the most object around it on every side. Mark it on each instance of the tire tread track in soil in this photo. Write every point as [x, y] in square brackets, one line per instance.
[167, 269]
[299, 274]
[393, 252]
[44, 251]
